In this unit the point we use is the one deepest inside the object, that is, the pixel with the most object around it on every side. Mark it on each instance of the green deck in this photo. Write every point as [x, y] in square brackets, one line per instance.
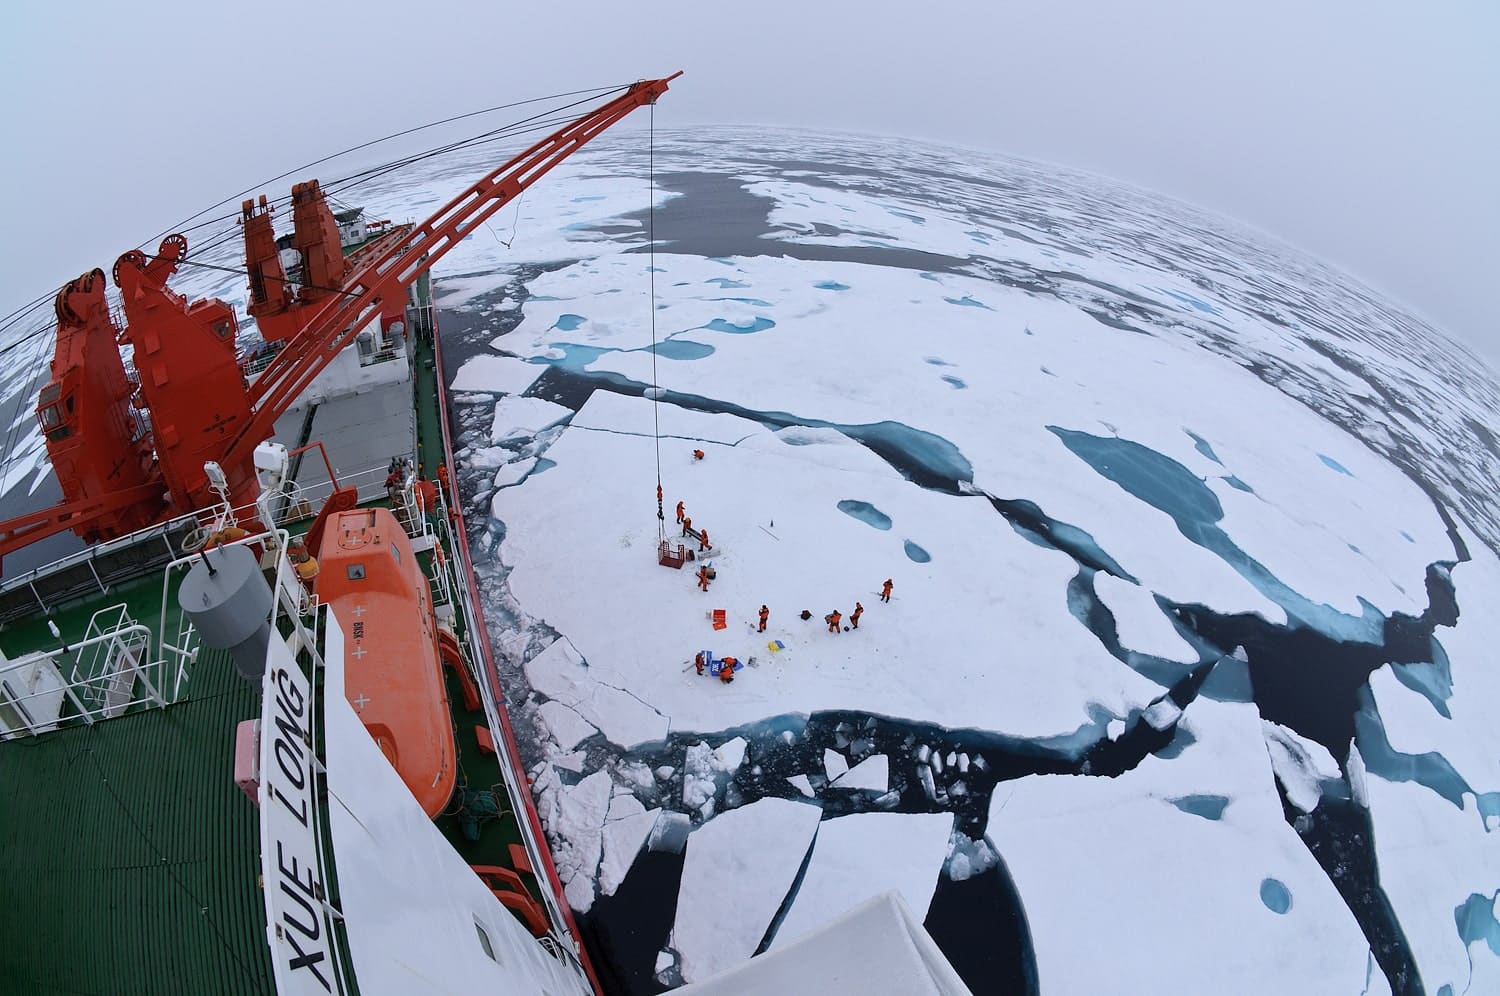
[137, 871]
[130, 858]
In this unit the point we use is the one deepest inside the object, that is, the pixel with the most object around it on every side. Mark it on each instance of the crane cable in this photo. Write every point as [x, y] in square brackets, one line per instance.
[661, 515]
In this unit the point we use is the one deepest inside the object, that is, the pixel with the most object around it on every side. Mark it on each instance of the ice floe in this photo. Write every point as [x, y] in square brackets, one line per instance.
[749, 856]
[1195, 882]
[852, 861]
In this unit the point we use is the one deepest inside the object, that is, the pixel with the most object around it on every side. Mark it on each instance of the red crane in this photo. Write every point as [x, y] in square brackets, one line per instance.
[118, 474]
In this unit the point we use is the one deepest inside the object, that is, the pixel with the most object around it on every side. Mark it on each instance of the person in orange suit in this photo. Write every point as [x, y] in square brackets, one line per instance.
[681, 508]
[687, 525]
[726, 670]
[697, 454]
[703, 578]
[426, 494]
[859, 610]
[702, 539]
[885, 590]
[834, 618]
[765, 614]
[443, 481]
[698, 662]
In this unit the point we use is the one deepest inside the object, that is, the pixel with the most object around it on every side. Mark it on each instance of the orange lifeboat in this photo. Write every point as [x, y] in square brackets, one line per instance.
[393, 675]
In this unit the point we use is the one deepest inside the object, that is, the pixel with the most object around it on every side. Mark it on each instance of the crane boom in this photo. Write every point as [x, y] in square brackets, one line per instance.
[197, 413]
[393, 269]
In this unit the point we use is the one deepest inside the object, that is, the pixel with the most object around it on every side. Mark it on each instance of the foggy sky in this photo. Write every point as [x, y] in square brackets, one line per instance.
[1367, 133]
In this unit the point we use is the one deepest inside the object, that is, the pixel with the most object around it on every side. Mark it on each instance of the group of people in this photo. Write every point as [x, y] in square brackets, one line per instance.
[727, 667]
[835, 619]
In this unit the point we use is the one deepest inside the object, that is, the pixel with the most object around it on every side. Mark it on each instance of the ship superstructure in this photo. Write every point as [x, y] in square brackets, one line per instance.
[251, 738]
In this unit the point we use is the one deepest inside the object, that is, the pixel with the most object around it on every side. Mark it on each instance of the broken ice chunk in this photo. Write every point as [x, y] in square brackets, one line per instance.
[801, 784]
[873, 773]
[834, 764]
[924, 775]
[670, 833]
[1161, 714]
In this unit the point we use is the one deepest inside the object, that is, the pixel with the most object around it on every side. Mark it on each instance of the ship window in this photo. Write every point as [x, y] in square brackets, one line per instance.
[50, 417]
[484, 941]
[356, 572]
[396, 552]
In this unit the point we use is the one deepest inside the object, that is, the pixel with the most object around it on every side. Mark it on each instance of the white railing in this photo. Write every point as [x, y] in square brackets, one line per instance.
[460, 597]
[95, 691]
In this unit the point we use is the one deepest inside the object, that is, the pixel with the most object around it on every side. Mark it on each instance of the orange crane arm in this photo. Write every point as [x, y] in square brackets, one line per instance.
[27, 529]
[399, 262]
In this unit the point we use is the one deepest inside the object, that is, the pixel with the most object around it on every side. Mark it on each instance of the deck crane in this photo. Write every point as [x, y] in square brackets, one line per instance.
[120, 472]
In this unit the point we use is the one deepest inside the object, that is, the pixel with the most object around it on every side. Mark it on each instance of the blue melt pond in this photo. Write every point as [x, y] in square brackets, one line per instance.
[968, 302]
[1333, 464]
[954, 382]
[937, 361]
[1237, 484]
[866, 513]
[1210, 807]
[681, 349]
[830, 285]
[1476, 921]
[1191, 301]
[591, 197]
[916, 554]
[1275, 896]
[575, 358]
[724, 282]
[1201, 445]
[754, 325]
[1408, 536]
[569, 323]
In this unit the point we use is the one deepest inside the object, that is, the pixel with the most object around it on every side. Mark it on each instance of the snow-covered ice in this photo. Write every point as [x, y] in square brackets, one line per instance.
[1140, 622]
[1300, 764]
[496, 375]
[1193, 884]
[564, 724]
[624, 836]
[873, 773]
[751, 854]
[983, 570]
[560, 673]
[1183, 414]
[522, 418]
[851, 862]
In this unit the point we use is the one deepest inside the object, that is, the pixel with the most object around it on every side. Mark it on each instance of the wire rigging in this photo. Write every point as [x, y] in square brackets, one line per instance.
[542, 120]
[661, 518]
[365, 145]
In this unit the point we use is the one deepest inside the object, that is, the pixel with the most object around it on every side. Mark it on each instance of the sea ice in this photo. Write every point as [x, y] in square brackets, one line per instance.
[801, 784]
[495, 374]
[1140, 622]
[1299, 764]
[729, 755]
[912, 658]
[574, 818]
[873, 773]
[623, 839]
[523, 418]
[559, 672]
[1061, 835]
[834, 764]
[852, 860]
[751, 856]
[565, 725]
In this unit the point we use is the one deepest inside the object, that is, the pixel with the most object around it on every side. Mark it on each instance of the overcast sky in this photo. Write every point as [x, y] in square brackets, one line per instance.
[1365, 132]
